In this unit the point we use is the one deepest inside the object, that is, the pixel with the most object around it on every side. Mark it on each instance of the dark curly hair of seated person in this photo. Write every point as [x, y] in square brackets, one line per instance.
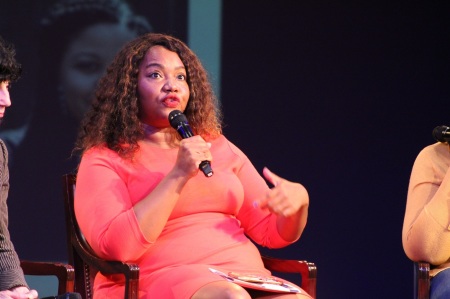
[10, 69]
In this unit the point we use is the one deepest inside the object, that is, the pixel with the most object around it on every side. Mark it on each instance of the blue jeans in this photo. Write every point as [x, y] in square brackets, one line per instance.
[440, 285]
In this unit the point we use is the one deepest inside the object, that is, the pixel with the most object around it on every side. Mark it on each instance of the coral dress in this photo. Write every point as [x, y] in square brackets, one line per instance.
[205, 230]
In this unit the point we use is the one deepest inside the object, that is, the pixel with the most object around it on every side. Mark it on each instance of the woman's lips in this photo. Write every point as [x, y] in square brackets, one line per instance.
[171, 102]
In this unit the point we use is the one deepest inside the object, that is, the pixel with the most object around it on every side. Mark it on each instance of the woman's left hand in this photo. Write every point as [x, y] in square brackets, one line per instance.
[285, 198]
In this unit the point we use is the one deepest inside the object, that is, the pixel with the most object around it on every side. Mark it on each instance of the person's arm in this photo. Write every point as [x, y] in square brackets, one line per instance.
[290, 202]
[12, 279]
[426, 227]
[11, 275]
[273, 217]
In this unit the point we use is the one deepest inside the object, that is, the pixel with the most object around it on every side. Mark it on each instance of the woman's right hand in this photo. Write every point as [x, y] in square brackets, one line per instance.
[191, 153]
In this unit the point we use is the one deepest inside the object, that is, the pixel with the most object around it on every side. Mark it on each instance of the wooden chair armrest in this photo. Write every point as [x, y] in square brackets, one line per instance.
[64, 272]
[307, 270]
[129, 270]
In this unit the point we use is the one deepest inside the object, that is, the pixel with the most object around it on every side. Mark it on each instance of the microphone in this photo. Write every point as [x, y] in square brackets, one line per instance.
[179, 122]
[441, 133]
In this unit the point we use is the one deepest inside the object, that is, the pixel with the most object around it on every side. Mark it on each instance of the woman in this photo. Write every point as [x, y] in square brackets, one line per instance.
[140, 196]
[426, 230]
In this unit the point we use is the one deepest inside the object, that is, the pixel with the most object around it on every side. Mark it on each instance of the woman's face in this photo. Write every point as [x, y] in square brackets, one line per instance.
[162, 86]
[86, 60]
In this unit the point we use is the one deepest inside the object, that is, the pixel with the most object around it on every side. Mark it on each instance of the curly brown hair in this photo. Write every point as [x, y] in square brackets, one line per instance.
[114, 118]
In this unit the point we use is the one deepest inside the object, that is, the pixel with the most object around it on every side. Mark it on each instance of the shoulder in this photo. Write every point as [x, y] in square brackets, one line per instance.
[433, 160]
[224, 150]
[100, 152]
[435, 152]
[223, 143]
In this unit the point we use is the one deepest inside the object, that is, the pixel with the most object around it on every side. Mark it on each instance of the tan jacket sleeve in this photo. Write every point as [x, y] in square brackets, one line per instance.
[426, 227]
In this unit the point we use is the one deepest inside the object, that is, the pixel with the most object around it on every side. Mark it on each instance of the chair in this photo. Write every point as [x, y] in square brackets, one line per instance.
[307, 271]
[421, 280]
[87, 263]
[63, 272]
[83, 258]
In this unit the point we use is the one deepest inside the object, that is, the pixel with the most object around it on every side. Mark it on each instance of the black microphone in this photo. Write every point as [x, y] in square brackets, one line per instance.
[179, 122]
[441, 133]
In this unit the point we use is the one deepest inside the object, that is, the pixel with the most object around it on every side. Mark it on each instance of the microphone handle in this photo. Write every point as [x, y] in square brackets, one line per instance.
[205, 166]
[185, 131]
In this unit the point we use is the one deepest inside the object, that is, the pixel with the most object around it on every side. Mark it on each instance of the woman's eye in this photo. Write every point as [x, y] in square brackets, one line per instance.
[154, 75]
[181, 77]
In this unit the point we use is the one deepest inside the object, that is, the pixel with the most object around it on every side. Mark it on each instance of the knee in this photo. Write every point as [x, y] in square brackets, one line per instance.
[221, 291]
[235, 292]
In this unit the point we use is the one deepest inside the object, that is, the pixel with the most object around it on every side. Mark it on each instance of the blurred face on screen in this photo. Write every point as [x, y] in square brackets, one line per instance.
[86, 60]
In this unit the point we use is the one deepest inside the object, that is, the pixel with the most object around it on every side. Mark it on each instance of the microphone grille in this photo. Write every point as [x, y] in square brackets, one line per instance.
[439, 133]
[176, 117]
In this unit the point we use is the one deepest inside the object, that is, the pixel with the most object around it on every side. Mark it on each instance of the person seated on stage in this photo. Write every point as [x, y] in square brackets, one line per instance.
[12, 279]
[141, 197]
[426, 227]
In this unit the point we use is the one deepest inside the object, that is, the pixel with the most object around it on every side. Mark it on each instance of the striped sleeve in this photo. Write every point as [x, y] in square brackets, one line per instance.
[11, 274]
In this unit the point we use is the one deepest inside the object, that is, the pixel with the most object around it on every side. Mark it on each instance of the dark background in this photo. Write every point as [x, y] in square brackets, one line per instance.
[338, 96]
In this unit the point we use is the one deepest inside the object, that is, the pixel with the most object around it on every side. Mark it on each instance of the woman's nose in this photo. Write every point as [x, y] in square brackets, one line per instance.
[5, 100]
[170, 85]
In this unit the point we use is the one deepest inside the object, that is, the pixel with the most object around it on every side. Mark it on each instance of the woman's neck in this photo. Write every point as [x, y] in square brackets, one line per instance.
[160, 137]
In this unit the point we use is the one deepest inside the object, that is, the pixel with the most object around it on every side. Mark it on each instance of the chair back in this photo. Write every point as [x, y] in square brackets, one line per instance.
[76, 242]
[84, 260]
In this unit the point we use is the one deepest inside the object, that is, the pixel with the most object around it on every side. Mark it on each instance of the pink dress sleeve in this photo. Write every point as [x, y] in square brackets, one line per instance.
[101, 194]
[259, 225]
